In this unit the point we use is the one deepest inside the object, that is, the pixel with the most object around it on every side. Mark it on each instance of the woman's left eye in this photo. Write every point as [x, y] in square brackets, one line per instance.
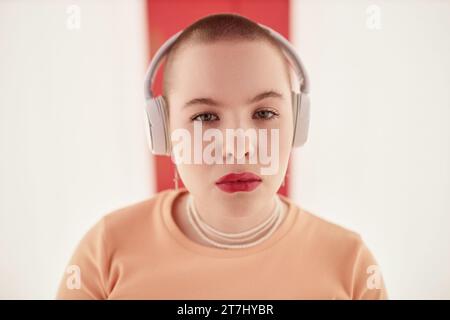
[266, 114]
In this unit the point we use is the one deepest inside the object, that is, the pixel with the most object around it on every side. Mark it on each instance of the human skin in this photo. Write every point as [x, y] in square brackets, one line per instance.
[231, 73]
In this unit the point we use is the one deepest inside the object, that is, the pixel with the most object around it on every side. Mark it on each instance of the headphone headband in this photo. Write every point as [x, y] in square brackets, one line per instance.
[288, 48]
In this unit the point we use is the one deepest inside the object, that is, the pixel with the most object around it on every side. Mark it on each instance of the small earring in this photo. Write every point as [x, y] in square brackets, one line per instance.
[175, 179]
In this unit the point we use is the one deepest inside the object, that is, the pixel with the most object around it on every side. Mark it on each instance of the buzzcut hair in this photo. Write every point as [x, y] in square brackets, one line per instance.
[219, 27]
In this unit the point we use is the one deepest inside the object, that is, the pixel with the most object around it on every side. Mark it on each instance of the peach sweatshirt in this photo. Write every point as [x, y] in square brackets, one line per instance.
[138, 252]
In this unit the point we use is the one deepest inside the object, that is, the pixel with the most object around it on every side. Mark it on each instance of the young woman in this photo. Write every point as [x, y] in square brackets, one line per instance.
[227, 234]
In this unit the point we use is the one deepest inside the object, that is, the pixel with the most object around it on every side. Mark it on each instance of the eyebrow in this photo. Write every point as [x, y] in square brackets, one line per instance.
[214, 103]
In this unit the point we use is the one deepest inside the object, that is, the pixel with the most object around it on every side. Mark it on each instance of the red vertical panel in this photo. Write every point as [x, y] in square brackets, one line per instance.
[166, 17]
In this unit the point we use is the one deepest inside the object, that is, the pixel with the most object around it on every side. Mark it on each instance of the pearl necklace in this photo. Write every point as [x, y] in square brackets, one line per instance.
[238, 240]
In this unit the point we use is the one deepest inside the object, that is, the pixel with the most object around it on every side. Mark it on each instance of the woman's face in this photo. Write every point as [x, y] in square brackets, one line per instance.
[224, 77]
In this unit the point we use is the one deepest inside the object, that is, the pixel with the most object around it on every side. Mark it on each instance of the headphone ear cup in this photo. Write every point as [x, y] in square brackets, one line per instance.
[301, 104]
[157, 120]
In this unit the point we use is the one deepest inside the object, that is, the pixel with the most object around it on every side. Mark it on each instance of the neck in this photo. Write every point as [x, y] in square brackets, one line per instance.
[235, 221]
[234, 216]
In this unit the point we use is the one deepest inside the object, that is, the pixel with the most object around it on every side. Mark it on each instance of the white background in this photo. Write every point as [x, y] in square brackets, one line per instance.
[378, 157]
[73, 148]
[72, 144]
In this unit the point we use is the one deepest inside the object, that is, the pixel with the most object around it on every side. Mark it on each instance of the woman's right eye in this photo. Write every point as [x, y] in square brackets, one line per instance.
[204, 117]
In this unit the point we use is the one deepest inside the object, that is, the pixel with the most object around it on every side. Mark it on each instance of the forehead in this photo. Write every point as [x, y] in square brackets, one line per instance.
[228, 69]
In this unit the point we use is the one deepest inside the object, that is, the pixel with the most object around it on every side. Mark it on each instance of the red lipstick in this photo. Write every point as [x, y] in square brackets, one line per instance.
[234, 182]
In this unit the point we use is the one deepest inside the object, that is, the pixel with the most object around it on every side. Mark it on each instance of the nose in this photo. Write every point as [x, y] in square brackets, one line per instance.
[240, 144]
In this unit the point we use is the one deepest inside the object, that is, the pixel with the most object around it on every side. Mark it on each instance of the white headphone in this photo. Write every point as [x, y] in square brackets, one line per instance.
[156, 107]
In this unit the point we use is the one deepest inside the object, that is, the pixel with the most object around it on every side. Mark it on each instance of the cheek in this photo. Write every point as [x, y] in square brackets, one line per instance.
[287, 125]
[194, 176]
[286, 135]
[284, 127]
[285, 143]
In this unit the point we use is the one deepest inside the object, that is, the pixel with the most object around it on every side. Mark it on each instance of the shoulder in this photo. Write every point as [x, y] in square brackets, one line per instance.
[134, 210]
[315, 229]
[324, 239]
[343, 251]
[131, 218]
[328, 231]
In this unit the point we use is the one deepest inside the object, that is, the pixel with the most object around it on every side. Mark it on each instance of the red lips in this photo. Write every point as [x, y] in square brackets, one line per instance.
[233, 182]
